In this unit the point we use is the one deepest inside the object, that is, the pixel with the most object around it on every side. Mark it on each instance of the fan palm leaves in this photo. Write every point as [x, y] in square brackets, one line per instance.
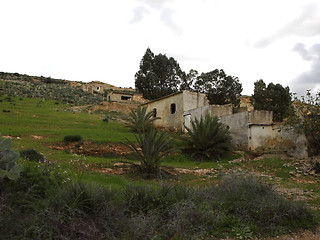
[207, 138]
[139, 120]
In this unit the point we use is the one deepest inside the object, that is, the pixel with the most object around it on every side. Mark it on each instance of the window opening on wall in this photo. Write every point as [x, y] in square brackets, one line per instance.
[98, 88]
[125, 98]
[173, 108]
[154, 112]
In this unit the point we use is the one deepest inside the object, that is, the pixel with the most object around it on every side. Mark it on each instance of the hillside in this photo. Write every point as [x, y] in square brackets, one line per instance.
[71, 92]
[73, 172]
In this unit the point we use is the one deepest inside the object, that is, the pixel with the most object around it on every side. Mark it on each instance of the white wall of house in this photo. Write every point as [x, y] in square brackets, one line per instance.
[259, 135]
[171, 108]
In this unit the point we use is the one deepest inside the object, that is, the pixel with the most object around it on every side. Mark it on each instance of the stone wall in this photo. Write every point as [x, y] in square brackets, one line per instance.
[212, 110]
[260, 117]
[238, 127]
[251, 129]
[192, 100]
[259, 135]
[295, 143]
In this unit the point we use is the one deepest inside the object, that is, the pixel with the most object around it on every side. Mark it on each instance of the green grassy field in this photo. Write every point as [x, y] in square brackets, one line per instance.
[34, 123]
[37, 124]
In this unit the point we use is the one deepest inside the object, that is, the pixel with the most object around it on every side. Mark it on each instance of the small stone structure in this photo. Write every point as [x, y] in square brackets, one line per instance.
[112, 93]
[252, 129]
[96, 87]
[124, 96]
[116, 96]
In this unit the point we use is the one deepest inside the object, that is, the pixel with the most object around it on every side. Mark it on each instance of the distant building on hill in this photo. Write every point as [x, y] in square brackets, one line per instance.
[112, 93]
[97, 87]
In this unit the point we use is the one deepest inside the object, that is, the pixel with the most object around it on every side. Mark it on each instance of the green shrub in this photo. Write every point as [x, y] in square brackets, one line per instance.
[72, 138]
[81, 196]
[150, 150]
[207, 139]
[239, 207]
[32, 155]
[258, 205]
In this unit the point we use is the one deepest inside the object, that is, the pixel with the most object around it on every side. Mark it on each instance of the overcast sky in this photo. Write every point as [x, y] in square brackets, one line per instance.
[104, 40]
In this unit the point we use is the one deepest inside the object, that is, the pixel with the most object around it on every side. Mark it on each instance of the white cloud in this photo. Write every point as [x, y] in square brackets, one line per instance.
[157, 4]
[306, 25]
[139, 13]
[309, 79]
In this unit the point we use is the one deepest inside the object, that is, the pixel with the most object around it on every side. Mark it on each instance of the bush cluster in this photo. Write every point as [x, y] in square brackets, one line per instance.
[32, 155]
[72, 138]
[239, 207]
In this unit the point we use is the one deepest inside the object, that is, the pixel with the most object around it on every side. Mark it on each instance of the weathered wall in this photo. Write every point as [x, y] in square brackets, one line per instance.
[260, 117]
[193, 100]
[168, 119]
[238, 127]
[252, 129]
[220, 110]
[212, 110]
[259, 135]
[182, 101]
[297, 142]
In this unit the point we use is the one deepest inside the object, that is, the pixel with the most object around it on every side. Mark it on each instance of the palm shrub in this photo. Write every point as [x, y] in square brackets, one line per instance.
[140, 120]
[149, 150]
[207, 138]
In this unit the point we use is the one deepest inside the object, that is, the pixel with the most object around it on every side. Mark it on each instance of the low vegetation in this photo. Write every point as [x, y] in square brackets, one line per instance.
[32, 155]
[239, 206]
[72, 138]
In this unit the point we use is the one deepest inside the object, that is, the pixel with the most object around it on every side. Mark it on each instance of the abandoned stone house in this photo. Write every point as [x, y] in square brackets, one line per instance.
[252, 129]
[124, 97]
[171, 108]
[117, 96]
[95, 87]
[112, 93]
